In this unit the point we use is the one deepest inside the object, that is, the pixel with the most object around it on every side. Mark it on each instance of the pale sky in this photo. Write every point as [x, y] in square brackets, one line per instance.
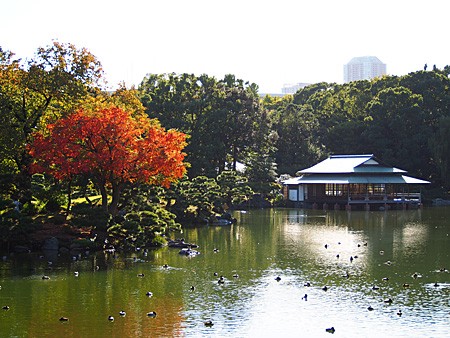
[268, 42]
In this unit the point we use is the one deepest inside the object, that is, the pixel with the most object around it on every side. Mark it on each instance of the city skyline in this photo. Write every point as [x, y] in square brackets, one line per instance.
[264, 42]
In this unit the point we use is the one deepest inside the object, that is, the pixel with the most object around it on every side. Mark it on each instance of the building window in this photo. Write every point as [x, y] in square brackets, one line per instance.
[334, 189]
[379, 189]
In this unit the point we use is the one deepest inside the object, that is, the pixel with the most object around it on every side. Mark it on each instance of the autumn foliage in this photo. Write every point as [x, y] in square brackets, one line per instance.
[112, 147]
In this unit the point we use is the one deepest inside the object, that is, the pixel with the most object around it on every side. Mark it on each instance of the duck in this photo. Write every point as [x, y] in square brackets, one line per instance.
[192, 288]
[216, 250]
[331, 329]
[385, 279]
[375, 287]
[63, 319]
[140, 275]
[388, 301]
[221, 280]
[235, 275]
[278, 278]
[149, 294]
[337, 256]
[399, 313]
[308, 284]
[151, 314]
[351, 259]
[45, 277]
[6, 308]
[405, 285]
[305, 297]
[76, 274]
[436, 285]
[325, 288]
[122, 313]
[165, 266]
[111, 318]
[326, 246]
[370, 308]
[208, 323]
[216, 274]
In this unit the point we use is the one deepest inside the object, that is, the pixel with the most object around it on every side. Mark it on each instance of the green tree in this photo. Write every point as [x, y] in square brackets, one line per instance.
[55, 80]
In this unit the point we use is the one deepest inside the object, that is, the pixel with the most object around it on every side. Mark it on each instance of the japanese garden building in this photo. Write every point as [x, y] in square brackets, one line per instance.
[353, 181]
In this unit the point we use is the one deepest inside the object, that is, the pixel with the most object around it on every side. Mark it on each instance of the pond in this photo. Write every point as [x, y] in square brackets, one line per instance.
[365, 274]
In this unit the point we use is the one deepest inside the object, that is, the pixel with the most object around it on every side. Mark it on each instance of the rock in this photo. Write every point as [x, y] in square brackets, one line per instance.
[51, 243]
[63, 250]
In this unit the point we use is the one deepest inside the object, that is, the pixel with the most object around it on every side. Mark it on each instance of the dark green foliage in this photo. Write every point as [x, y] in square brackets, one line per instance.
[143, 219]
[399, 119]
[48, 194]
[223, 118]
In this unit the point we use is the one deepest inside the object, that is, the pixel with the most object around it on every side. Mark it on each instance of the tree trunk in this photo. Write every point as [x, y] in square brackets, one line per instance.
[104, 194]
[116, 190]
[69, 197]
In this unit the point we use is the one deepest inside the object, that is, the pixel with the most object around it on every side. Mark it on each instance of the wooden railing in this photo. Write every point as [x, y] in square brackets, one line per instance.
[387, 198]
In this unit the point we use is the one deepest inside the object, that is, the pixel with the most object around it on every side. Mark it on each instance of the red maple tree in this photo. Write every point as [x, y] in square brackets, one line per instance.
[111, 146]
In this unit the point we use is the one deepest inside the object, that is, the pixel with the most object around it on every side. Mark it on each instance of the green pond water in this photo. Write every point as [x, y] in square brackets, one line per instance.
[299, 246]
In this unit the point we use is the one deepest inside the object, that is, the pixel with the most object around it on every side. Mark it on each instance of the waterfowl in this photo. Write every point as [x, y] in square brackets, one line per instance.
[388, 301]
[337, 256]
[236, 275]
[436, 285]
[63, 319]
[388, 263]
[399, 313]
[151, 314]
[381, 252]
[192, 288]
[305, 297]
[111, 318]
[330, 330]
[122, 313]
[149, 294]
[140, 275]
[209, 323]
[45, 277]
[6, 308]
[325, 288]
[375, 287]
[76, 274]
[216, 250]
[221, 280]
[406, 285]
[385, 279]
[165, 266]
[351, 258]
[326, 246]
[278, 278]
[370, 308]
[216, 274]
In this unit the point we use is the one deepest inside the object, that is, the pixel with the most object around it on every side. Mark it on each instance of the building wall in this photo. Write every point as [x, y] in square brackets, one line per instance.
[363, 68]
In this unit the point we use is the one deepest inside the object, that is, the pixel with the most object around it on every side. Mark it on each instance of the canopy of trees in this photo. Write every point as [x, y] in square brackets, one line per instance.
[113, 148]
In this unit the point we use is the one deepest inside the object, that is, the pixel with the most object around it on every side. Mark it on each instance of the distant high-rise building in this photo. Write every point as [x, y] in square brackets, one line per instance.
[363, 68]
[293, 88]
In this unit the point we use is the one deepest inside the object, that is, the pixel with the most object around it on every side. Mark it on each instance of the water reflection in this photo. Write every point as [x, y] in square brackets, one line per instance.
[361, 259]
